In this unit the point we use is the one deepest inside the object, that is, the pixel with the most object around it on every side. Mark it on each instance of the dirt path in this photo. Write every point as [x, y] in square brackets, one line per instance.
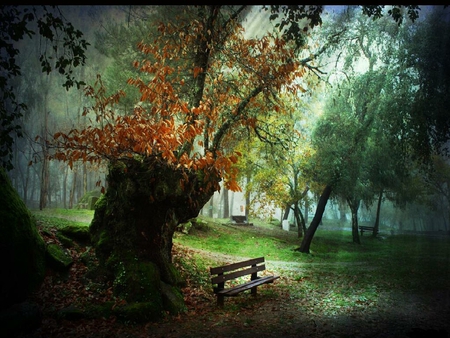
[312, 303]
[277, 312]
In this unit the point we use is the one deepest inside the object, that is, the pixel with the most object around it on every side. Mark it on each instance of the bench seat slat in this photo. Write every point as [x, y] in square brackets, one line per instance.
[234, 266]
[247, 286]
[236, 274]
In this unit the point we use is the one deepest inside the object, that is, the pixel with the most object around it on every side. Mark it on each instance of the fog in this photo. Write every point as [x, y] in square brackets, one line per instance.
[51, 108]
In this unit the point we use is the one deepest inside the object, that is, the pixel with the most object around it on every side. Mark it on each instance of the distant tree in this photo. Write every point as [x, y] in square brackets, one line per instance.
[438, 180]
[426, 57]
[409, 133]
[339, 140]
[64, 51]
[275, 157]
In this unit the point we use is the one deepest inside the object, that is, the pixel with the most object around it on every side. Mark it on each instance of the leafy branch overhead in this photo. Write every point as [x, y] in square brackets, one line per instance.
[64, 50]
[171, 122]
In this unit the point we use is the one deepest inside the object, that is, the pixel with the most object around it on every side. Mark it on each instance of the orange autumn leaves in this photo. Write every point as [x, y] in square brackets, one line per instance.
[142, 134]
[171, 123]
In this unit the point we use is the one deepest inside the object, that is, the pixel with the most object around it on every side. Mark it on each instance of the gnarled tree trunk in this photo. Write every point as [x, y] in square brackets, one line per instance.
[133, 226]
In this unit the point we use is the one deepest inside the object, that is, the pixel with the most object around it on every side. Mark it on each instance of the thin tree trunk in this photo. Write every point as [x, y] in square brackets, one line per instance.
[85, 180]
[44, 183]
[232, 202]
[247, 198]
[343, 216]
[287, 210]
[33, 188]
[376, 226]
[299, 219]
[307, 239]
[66, 171]
[44, 194]
[306, 212]
[26, 183]
[353, 203]
[211, 207]
[72, 190]
[226, 203]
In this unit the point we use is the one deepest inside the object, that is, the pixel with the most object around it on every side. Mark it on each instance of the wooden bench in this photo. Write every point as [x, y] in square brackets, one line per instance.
[363, 228]
[240, 220]
[230, 272]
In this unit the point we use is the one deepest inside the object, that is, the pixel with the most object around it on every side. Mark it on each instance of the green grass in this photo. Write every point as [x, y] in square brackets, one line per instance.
[240, 241]
[60, 218]
[264, 239]
[338, 276]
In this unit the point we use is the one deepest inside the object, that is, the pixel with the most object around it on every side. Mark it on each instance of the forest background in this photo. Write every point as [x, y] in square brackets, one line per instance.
[113, 31]
[355, 111]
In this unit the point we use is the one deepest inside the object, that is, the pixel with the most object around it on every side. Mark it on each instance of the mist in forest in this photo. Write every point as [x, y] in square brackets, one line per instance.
[422, 205]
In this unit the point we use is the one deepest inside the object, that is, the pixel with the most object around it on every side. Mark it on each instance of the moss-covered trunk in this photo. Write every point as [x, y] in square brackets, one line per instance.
[133, 227]
[22, 249]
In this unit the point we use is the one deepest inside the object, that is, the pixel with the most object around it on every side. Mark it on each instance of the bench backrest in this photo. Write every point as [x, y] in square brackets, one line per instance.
[252, 266]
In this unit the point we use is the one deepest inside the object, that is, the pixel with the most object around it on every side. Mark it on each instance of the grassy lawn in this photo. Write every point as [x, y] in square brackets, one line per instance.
[337, 278]
[63, 217]
[338, 275]
[400, 260]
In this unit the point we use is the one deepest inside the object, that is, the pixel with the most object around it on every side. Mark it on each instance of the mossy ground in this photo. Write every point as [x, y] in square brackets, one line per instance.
[391, 286]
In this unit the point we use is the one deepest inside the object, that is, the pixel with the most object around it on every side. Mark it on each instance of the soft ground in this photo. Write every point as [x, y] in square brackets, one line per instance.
[309, 300]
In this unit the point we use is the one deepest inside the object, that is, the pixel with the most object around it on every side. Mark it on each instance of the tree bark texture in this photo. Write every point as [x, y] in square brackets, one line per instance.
[226, 203]
[376, 226]
[287, 210]
[307, 239]
[299, 219]
[353, 203]
[133, 226]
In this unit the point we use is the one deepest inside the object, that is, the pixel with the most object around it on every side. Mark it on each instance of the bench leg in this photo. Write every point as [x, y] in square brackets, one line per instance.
[253, 291]
[220, 300]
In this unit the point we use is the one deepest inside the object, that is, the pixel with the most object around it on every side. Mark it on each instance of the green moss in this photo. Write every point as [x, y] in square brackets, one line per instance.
[21, 246]
[66, 241]
[176, 275]
[138, 281]
[185, 227]
[77, 233]
[103, 240]
[88, 259]
[93, 193]
[101, 202]
[173, 299]
[58, 257]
